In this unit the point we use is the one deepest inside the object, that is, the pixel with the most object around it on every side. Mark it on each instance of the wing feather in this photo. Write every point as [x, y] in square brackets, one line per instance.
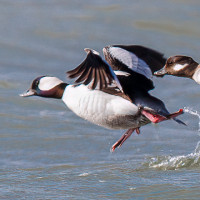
[134, 64]
[102, 79]
[94, 72]
[76, 72]
[154, 59]
[131, 61]
[83, 75]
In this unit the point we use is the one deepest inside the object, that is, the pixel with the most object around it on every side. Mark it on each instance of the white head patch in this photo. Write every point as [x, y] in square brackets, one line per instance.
[178, 67]
[47, 83]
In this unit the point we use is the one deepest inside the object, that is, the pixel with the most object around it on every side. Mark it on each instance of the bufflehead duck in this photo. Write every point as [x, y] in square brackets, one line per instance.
[182, 66]
[100, 96]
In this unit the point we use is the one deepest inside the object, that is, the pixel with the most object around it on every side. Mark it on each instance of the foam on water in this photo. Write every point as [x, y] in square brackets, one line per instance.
[177, 162]
[84, 174]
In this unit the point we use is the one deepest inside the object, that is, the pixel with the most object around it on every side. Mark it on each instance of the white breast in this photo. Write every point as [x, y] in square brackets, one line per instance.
[98, 107]
[196, 75]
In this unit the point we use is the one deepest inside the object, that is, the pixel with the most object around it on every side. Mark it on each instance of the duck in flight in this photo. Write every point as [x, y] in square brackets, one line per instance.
[182, 66]
[112, 93]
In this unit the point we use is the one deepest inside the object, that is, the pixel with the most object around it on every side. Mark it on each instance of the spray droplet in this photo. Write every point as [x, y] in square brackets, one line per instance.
[193, 112]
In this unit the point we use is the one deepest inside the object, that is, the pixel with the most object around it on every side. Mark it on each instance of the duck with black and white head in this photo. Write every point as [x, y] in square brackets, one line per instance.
[100, 96]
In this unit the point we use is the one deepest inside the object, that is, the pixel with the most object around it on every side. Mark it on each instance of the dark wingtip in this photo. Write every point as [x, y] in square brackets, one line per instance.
[174, 115]
[179, 121]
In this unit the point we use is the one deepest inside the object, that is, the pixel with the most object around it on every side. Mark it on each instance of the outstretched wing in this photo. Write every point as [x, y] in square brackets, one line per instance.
[134, 64]
[94, 72]
[136, 57]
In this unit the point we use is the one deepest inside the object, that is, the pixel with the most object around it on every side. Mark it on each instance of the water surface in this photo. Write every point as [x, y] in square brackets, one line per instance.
[46, 152]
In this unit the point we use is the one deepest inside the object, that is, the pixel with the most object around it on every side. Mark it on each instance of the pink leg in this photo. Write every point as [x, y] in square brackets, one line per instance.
[138, 130]
[123, 139]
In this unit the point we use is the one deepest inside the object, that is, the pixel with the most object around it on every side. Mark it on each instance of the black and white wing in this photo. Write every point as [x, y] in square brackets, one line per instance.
[136, 57]
[95, 72]
[134, 62]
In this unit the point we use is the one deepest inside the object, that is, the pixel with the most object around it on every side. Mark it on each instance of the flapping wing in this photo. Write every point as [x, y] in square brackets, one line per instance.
[134, 64]
[128, 60]
[94, 72]
[137, 58]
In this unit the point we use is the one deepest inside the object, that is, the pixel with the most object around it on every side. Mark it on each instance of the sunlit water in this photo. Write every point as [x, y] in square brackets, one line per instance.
[46, 152]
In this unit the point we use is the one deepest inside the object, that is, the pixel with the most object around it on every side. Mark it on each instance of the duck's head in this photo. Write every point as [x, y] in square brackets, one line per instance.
[183, 66]
[46, 86]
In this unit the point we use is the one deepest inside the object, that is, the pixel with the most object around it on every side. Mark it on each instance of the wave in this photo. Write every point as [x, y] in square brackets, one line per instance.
[191, 160]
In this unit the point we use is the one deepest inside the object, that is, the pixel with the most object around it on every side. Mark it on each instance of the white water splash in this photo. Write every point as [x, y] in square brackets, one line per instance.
[193, 112]
[84, 174]
[176, 162]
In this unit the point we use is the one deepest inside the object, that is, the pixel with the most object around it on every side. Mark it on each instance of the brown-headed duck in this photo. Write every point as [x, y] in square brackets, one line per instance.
[182, 66]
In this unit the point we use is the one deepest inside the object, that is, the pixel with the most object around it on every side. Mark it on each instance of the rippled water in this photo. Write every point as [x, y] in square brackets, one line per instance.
[46, 152]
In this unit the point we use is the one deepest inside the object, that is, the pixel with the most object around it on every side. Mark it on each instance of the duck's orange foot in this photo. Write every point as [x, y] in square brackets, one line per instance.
[156, 118]
[173, 115]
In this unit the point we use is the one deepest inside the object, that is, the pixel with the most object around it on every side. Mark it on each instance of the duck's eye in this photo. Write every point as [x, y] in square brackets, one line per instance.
[169, 62]
[36, 83]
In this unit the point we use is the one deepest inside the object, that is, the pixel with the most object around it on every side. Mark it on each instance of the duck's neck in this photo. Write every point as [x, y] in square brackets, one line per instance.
[61, 89]
[56, 92]
[196, 75]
